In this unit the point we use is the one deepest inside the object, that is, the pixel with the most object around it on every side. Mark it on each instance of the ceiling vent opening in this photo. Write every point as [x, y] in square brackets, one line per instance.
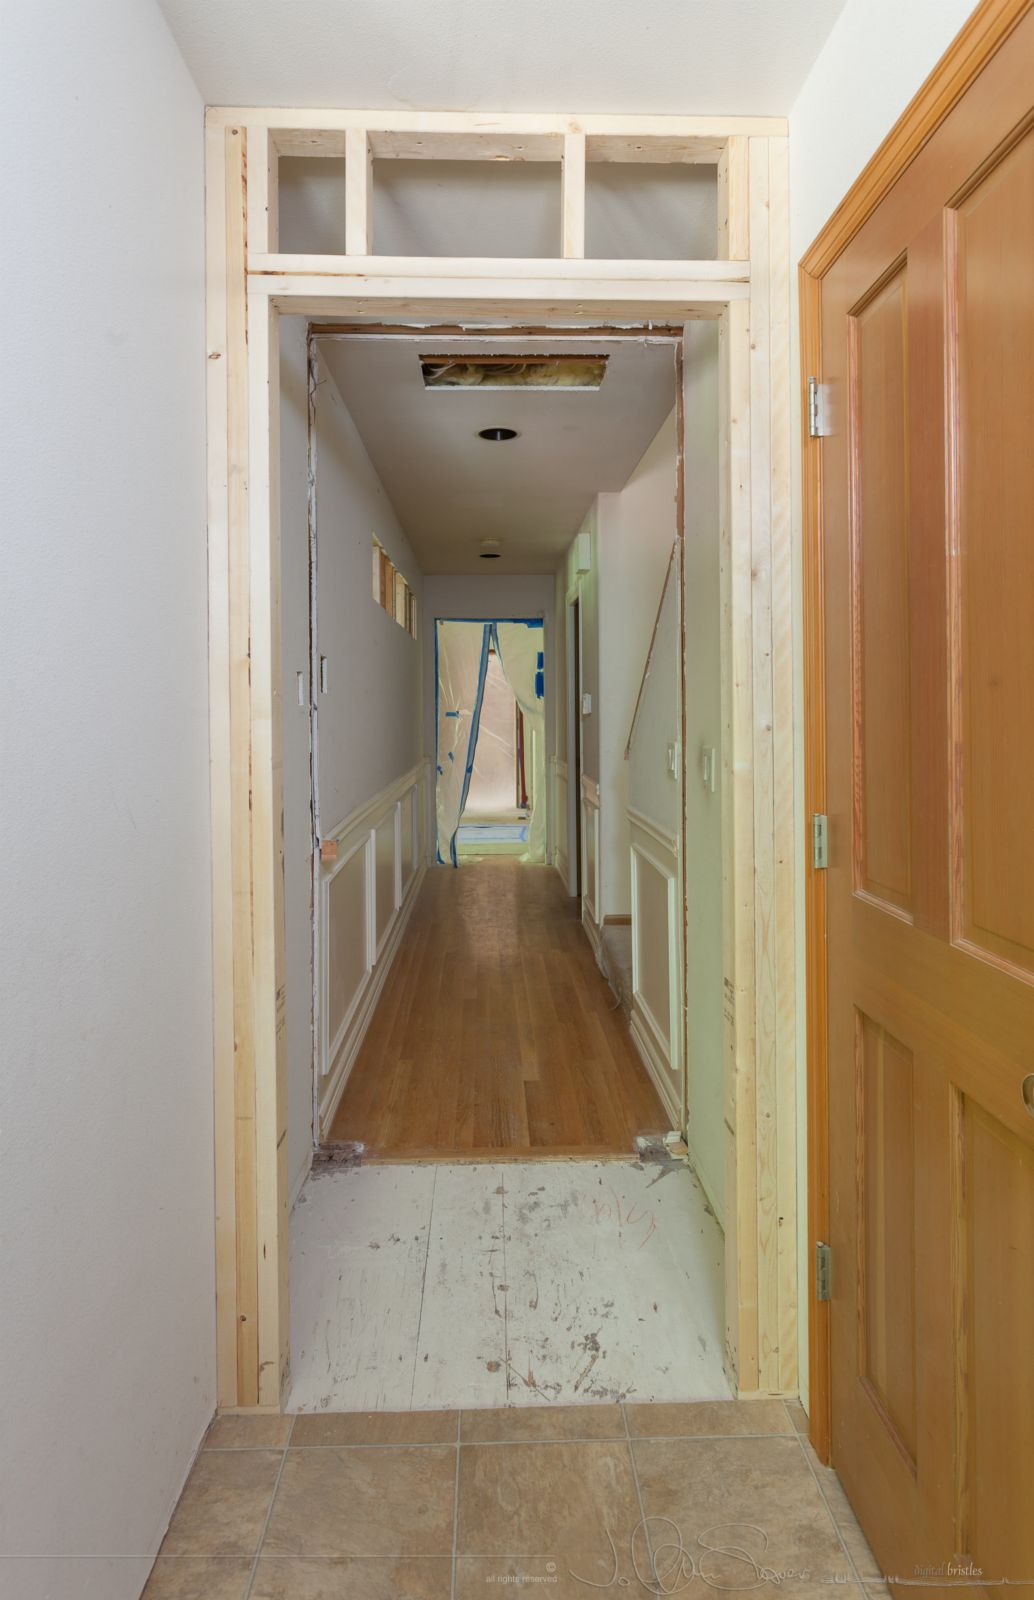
[498, 435]
[557, 373]
[490, 550]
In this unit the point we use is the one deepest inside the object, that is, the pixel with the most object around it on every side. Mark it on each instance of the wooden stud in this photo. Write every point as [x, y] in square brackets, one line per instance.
[733, 201]
[712, 280]
[267, 852]
[358, 194]
[263, 191]
[244, 1153]
[739, 897]
[573, 199]
[219, 221]
[484, 126]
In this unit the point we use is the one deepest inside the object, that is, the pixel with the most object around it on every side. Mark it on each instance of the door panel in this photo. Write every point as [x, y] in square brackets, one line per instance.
[995, 1221]
[886, 1228]
[994, 286]
[880, 622]
[928, 552]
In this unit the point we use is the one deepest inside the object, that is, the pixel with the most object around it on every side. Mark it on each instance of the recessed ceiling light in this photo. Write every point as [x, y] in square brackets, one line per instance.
[497, 434]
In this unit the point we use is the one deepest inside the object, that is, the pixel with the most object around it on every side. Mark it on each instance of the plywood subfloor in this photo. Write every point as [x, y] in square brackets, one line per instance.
[427, 1286]
[496, 1034]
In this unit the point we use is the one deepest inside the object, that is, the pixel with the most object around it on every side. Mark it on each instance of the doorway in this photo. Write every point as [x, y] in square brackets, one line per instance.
[469, 1018]
[741, 290]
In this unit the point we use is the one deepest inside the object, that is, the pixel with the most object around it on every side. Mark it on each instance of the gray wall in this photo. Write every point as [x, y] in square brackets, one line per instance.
[369, 719]
[106, 1199]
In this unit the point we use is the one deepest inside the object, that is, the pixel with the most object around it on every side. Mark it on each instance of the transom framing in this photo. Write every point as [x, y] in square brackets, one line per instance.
[250, 284]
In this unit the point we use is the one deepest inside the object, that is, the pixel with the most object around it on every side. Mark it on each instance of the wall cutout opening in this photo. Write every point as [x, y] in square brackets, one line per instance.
[557, 373]
[391, 591]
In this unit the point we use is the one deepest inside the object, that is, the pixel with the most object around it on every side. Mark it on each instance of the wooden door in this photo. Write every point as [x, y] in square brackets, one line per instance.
[928, 541]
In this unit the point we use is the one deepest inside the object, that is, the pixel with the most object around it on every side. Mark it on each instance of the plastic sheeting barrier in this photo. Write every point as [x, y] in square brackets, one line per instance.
[461, 650]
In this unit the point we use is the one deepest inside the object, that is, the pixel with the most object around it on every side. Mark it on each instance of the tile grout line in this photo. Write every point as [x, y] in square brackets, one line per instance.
[441, 1444]
[639, 1497]
[832, 1516]
[423, 1287]
[269, 1512]
[455, 1507]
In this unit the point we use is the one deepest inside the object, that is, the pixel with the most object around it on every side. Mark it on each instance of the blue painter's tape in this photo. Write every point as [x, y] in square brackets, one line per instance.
[452, 713]
[540, 684]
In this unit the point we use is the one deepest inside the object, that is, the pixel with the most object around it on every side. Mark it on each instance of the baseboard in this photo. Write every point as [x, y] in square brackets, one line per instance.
[561, 864]
[339, 1075]
[592, 933]
[654, 1061]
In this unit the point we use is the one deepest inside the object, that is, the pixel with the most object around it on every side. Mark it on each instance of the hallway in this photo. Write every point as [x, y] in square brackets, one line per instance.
[496, 1035]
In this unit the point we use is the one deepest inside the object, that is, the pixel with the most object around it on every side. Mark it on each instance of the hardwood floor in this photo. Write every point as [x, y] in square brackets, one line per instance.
[496, 1035]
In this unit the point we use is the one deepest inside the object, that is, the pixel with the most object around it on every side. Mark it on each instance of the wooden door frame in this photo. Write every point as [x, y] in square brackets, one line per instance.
[747, 291]
[986, 30]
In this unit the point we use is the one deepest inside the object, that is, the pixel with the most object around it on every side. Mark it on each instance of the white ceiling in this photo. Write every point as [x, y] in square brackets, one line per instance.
[660, 56]
[451, 489]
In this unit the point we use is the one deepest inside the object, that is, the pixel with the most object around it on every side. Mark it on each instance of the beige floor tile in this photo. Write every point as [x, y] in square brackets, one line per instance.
[481, 1577]
[764, 1485]
[198, 1578]
[858, 1549]
[396, 1501]
[697, 1418]
[374, 1427]
[248, 1433]
[570, 1504]
[514, 1423]
[296, 1578]
[223, 1507]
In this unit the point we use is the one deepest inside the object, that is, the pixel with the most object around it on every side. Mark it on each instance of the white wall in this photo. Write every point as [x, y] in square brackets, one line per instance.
[873, 62]
[106, 1199]
[871, 65]
[369, 719]
[294, 655]
[636, 533]
[369, 731]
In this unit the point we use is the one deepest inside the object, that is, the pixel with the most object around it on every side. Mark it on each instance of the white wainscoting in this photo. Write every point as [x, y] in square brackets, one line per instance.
[657, 959]
[591, 863]
[365, 898]
[561, 859]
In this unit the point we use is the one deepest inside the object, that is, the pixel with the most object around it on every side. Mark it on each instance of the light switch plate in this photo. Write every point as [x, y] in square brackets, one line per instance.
[586, 705]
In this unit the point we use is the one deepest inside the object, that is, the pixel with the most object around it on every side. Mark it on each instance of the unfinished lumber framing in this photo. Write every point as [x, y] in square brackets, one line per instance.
[746, 289]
